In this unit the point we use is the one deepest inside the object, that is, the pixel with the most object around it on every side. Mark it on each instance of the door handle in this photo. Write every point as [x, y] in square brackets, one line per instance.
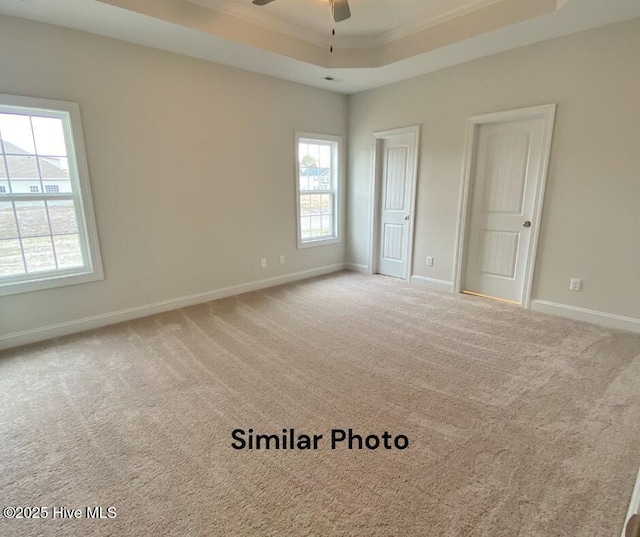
[407, 218]
[526, 224]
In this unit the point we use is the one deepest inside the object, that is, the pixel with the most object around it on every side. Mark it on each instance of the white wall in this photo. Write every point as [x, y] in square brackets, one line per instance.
[591, 221]
[191, 164]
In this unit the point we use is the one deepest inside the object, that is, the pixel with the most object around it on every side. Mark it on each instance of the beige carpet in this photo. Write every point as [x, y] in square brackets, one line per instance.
[519, 424]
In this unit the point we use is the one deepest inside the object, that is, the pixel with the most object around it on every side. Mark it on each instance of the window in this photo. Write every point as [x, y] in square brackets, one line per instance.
[47, 229]
[317, 182]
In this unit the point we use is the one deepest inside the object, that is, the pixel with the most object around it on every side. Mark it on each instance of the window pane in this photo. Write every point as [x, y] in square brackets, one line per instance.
[4, 183]
[32, 218]
[303, 150]
[49, 136]
[319, 204]
[22, 168]
[325, 156]
[309, 155]
[305, 228]
[62, 217]
[315, 204]
[55, 172]
[11, 263]
[326, 203]
[17, 137]
[8, 226]
[315, 166]
[327, 225]
[325, 183]
[304, 179]
[305, 205]
[68, 252]
[316, 226]
[38, 253]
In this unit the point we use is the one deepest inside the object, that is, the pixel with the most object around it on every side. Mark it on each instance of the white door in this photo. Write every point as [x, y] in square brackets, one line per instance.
[397, 176]
[509, 158]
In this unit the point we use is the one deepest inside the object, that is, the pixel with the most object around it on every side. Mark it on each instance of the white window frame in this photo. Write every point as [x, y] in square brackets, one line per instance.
[91, 271]
[336, 186]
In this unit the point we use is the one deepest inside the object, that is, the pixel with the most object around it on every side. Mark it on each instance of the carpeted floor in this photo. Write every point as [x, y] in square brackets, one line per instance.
[519, 424]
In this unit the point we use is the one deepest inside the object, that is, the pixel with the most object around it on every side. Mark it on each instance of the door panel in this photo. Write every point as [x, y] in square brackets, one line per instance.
[393, 242]
[395, 179]
[508, 161]
[498, 253]
[506, 173]
[395, 204]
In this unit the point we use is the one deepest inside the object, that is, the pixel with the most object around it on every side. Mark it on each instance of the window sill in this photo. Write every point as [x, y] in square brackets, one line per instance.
[49, 282]
[318, 242]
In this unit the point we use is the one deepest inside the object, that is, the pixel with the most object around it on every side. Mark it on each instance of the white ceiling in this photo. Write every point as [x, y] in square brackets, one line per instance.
[214, 40]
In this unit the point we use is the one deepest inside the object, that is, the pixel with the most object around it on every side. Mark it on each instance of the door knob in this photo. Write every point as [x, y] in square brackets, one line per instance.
[406, 217]
[526, 224]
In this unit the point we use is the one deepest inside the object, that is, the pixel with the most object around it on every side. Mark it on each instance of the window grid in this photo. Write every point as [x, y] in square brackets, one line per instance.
[57, 249]
[36, 155]
[317, 189]
[322, 216]
[48, 238]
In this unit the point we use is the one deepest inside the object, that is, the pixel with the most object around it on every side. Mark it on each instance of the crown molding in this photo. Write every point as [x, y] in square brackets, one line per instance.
[417, 27]
[249, 14]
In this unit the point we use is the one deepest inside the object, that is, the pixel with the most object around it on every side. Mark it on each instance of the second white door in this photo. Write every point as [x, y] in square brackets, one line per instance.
[397, 177]
[509, 157]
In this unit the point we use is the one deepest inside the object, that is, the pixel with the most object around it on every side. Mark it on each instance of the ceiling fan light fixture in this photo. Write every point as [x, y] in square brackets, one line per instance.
[339, 8]
[340, 11]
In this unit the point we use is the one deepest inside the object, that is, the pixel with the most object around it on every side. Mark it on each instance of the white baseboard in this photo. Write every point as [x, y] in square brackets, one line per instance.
[609, 320]
[432, 283]
[634, 505]
[354, 267]
[80, 325]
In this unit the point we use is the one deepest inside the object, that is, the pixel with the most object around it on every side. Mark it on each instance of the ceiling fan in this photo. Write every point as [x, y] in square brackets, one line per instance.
[339, 8]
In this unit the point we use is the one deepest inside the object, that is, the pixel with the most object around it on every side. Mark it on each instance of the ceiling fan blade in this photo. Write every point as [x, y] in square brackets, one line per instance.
[341, 11]
[261, 2]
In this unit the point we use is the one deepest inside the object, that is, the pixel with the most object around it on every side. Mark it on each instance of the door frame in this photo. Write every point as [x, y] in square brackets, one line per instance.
[376, 191]
[545, 112]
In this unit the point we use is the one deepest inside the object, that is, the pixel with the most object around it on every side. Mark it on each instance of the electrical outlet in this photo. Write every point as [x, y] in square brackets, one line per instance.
[264, 262]
[575, 285]
[429, 261]
[282, 260]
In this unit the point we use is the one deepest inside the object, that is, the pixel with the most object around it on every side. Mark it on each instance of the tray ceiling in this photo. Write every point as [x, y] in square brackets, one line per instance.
[384, 41]
[372, 21]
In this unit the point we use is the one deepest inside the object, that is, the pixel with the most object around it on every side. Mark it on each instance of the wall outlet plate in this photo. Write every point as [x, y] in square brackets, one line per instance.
[575, 284]
[282, 260]
[429, 261]
[263, 262]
